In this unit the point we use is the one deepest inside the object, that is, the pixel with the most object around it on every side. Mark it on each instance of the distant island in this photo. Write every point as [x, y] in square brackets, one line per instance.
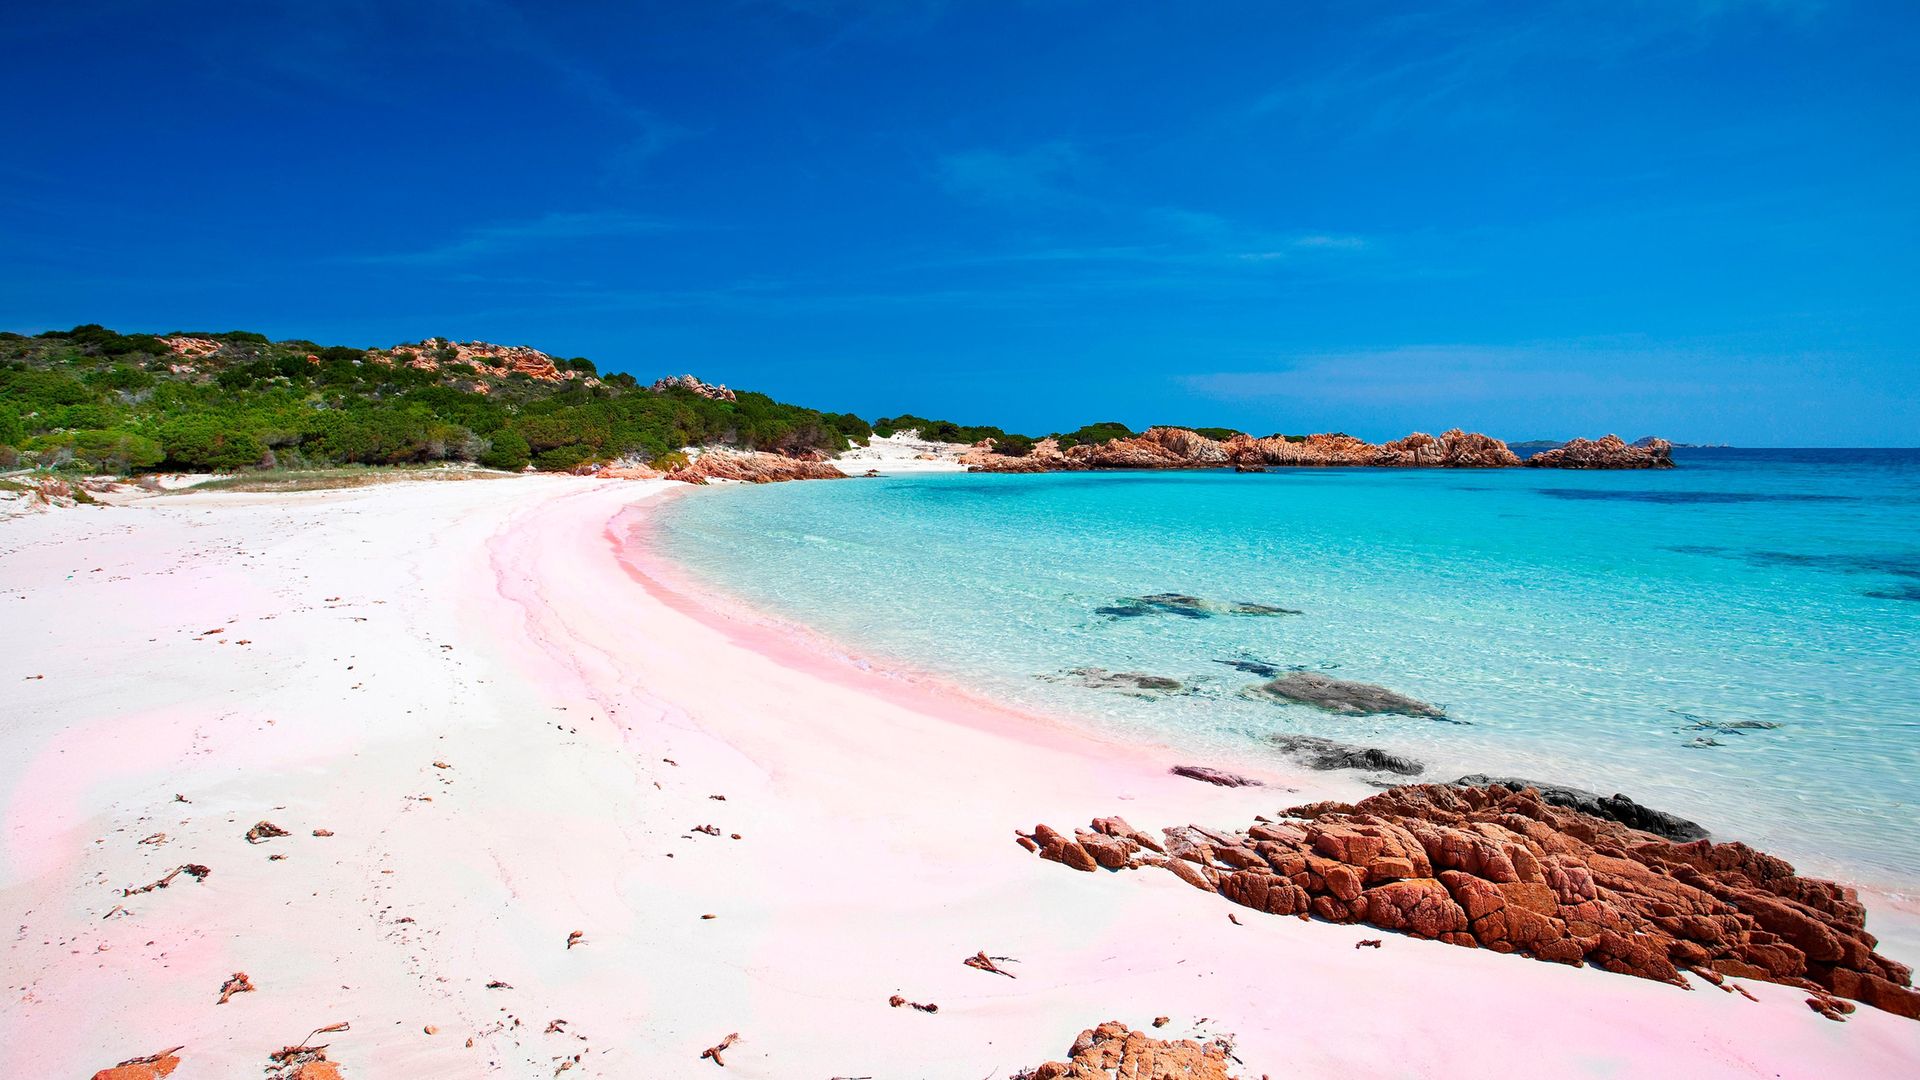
[93, 400]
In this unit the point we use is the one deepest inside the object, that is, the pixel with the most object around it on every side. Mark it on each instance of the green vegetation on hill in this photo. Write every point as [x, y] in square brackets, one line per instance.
[945, 430]
[1005, 442]
[92, 399]
[1094, 434]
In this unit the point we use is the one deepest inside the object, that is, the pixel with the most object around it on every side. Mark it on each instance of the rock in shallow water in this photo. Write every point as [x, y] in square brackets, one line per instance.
[1219, 777]
[1343, 697]
[1615, 807]
[1326, 755]
[1187, 607]
[1506, 870]
[1137, 682]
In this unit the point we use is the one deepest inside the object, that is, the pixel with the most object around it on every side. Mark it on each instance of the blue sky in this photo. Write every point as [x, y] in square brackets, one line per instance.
[1697, 218]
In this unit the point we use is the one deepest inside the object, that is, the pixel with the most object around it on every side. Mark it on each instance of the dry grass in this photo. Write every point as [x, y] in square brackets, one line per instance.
[332, 479]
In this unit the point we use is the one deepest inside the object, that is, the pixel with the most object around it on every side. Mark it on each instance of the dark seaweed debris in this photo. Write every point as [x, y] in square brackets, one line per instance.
[1186, 607]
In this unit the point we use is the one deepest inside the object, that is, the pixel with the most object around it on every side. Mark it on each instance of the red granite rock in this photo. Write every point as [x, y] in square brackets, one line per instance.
[1504, 869]
[1113, 1050]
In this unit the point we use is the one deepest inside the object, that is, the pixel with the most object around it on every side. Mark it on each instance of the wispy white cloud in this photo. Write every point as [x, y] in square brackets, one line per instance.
[1432, 68]
[1305, 245]
[548, 230]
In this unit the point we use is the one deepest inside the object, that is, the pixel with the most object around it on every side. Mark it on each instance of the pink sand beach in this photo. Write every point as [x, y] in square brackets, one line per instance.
[509, 719]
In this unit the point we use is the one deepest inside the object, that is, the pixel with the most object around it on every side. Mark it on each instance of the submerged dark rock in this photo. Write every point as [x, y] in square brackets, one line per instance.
[1191, 607]
[1208, 775]
[1102, 679]
[1187, 607]
[1343, 697]
[1247, 608]
[1252, 667]
[1327, 755]
[1615, 807]
[1733, 727]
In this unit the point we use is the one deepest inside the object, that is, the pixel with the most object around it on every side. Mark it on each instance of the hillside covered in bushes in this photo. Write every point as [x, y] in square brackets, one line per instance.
[93, 399]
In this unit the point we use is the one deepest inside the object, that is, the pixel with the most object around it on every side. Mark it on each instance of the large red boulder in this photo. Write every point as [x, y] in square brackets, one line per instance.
[1505, 869]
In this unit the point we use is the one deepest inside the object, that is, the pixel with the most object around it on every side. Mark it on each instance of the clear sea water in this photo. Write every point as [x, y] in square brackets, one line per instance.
[1609, 630]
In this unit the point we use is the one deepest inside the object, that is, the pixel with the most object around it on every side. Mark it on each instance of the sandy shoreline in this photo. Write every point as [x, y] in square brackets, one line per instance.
[588, 710]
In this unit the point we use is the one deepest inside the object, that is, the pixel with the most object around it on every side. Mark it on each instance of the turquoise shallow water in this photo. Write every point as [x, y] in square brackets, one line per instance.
[1607, 630]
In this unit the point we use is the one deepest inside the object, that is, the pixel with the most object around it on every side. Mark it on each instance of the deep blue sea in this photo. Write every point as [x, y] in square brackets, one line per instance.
[1736, 640]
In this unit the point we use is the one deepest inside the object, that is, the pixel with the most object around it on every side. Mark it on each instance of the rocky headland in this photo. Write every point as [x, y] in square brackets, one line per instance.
[1182, 448]
[1505, 869]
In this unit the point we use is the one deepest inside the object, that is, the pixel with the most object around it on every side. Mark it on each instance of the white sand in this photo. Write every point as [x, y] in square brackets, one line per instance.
[901, 452]
[489, 626]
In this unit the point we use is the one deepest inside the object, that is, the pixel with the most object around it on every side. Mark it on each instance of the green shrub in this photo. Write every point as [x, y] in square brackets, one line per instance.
[507, 451]
[208, 441]
[1095, 434]
[116, 451]
[563, 458]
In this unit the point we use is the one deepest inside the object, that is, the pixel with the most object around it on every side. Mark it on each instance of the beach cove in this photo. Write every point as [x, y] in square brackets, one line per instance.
[488, 716]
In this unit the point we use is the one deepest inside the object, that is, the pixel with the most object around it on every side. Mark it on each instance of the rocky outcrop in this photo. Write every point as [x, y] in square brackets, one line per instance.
[1113, 1051]
[1615, 807]
[1508, 871]
[752, 468]
[1343, 697]
[1044, 457]
[1327, 755]
[1455, 449]
[688, 382]
[192, 348]
[1182, 448]
[493, 361]
[1607, 452]
[1156, 448]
